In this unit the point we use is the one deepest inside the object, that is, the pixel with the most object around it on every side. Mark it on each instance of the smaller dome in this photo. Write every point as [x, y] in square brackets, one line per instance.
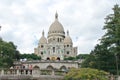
[68, 39]
[43, 40]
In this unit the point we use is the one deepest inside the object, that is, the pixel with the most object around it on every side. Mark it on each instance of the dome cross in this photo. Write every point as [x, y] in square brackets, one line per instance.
[67, 33]
[56, 15]
[43, 33]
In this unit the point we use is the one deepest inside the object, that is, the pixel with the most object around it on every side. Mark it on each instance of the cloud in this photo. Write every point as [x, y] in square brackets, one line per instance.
[23, 21]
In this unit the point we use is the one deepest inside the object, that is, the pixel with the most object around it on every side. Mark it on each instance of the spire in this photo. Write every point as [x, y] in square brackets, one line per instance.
[43, 33]
[67, 33]
[56, 15]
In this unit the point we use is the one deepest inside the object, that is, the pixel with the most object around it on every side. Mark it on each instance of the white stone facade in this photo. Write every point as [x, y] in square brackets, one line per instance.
[57, 45]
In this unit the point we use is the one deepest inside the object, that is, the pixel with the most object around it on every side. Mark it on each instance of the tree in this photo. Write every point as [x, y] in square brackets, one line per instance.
[82, 56]
[89, 62]
[70, 58]
[86, 74]
[8, 53]
[104, 53]
[30, 56]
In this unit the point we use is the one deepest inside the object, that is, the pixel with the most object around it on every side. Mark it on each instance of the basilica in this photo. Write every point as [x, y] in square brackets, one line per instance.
[57, 45]
[53, 49]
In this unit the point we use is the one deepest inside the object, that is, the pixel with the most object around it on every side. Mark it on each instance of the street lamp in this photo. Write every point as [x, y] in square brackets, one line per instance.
[116, 60]
[117, 66]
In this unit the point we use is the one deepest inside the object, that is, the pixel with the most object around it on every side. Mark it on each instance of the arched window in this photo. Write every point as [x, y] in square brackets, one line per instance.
[68, 52]
[53, 49]
[67, 45]
[42, 46]
[41, 53]
[58, 39]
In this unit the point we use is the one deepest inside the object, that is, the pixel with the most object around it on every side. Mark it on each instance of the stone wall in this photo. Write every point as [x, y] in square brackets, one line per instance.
[50, 78]
[23, 77]
[44, 64]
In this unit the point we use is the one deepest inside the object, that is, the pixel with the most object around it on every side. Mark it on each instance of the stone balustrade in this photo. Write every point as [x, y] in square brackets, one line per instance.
[27, 72]
[36, 74]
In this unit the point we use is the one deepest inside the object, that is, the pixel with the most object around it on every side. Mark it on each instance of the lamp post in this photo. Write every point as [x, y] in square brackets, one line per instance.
[117, 66]
[116, 60]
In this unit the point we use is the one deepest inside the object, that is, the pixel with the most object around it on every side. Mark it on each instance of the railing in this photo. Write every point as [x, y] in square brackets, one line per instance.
[27, 72]
[14, 77]
[36, 74]
[37, 61]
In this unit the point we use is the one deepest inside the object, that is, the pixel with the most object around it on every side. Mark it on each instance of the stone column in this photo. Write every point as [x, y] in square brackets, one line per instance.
[36, 72]
[23, 71]
[2, 72]
[28, 72]
[53, 72]
[18, 73]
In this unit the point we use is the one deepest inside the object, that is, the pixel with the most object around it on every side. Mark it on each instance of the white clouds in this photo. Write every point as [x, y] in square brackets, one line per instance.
[24, 20]
[17, 9]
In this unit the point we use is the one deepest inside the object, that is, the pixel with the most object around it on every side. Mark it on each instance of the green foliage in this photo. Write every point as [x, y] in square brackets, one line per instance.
[89, 62]
[8, 53]
[86, 74]
[104, 54]
[70, 58]
[30, 56]
[80, 56]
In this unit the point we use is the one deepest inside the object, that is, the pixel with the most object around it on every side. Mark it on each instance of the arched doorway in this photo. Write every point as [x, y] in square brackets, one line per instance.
[58, 58]
[36, 67]
[36, 70]
[53, 58]
[63, 68]
[48, 58]
[50, 67]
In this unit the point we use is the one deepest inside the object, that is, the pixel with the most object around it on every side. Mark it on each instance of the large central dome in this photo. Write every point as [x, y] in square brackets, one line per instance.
[56, 27]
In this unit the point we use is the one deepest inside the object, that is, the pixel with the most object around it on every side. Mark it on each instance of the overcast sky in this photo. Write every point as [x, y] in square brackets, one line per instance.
[23, 21]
